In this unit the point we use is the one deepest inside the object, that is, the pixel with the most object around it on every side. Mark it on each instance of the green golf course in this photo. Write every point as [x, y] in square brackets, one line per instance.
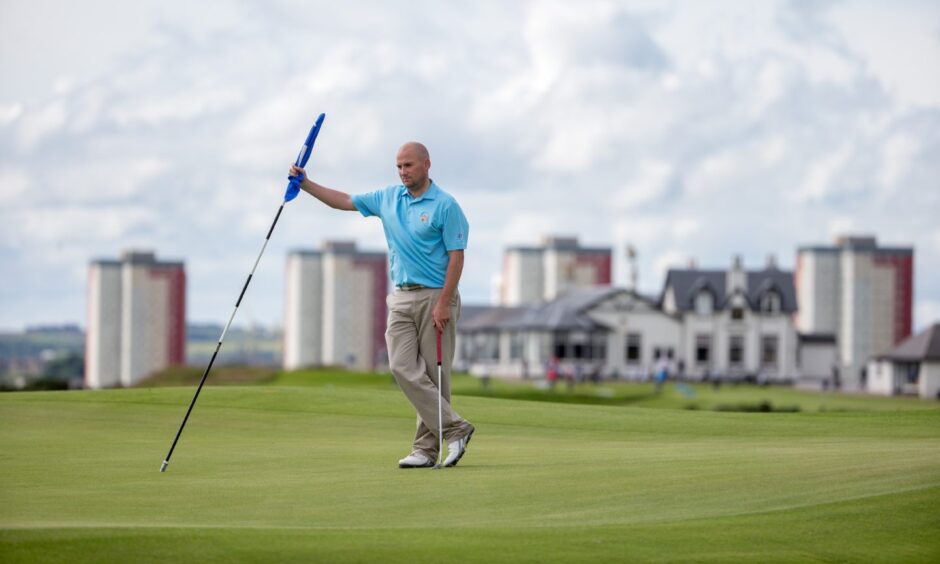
[301, 467]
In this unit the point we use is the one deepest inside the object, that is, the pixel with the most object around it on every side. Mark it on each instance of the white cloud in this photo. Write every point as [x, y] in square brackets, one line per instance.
[684, 128]
[819, 181]
[647, 185]
[897, 154]
[684, 227]
[673, 258]
[838, 226]
[895, 44]
[14, 186]
[9, 113]
[56, 225]
[38, 124]
[926, 313]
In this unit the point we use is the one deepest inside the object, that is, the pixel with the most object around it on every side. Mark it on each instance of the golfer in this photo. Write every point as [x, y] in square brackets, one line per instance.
[427, 233]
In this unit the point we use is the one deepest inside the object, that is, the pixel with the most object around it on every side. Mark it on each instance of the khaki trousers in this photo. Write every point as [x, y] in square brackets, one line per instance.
[412, 358]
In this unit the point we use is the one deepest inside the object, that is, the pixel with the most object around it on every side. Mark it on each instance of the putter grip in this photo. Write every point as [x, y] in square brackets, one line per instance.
[437, 335]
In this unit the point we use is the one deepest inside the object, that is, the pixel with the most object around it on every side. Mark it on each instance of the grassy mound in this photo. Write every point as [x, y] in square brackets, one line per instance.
[306, 473]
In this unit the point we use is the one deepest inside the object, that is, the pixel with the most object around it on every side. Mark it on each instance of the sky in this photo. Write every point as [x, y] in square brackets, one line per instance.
[693, 130]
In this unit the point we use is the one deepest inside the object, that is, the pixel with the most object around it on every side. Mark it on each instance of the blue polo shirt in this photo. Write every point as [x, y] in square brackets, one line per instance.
[419, 231]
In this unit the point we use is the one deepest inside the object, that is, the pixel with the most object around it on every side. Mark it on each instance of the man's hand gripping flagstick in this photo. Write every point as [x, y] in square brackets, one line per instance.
[293, 188]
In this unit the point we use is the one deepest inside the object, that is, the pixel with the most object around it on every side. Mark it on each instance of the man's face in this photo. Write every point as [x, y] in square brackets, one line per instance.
[412, 168]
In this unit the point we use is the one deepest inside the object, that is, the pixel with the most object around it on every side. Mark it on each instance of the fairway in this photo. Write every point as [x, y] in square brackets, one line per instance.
[308, 473]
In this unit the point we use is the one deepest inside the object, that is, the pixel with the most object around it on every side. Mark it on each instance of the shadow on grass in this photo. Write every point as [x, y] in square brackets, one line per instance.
[555, 396]
[223, 375]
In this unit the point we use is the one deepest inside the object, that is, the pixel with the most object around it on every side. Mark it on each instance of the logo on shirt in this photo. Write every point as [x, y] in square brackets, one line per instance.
[459, 236]
[424, 218]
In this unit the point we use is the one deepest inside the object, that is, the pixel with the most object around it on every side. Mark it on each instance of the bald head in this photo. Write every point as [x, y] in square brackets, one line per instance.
[413, 164]
[417, 149]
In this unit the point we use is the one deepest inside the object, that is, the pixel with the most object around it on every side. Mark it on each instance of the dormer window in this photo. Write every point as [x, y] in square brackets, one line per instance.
[770, 302]
[704, 303]
[737, 313]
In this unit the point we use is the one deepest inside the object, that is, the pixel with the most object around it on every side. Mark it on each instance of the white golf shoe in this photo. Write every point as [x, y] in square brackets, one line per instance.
[415, 460]
[456, 450]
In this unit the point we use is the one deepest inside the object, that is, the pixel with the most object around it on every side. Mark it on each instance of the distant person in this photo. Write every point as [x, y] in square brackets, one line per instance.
[661, 372]
[426, 233]
[551, 372]
[595, 374]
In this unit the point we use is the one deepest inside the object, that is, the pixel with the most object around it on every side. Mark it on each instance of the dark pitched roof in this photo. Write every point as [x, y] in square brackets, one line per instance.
[922, 346]
[686, 284]
[568, 312]
[480, 317]
[564, 313]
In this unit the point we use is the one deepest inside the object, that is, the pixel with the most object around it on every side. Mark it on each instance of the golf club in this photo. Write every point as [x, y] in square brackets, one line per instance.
[293, 188]
[440, 393]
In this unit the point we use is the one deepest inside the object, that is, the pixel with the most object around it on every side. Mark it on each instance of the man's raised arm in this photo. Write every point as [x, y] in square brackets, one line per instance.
[333, 198]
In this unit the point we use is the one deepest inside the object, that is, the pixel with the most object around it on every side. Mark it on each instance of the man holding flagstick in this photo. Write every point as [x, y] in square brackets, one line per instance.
[426, 233]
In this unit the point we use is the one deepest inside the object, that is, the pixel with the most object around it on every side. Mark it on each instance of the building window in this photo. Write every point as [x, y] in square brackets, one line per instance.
[560, 344]
[910, 372]
[516, 342]
[704, 303]
[599, 346]
[768, 351]
[703, 349]
[737, 313]
[736, 350]
[580, 345]
[485, 346]
[634, 343]
[770, 302]
[466, 348]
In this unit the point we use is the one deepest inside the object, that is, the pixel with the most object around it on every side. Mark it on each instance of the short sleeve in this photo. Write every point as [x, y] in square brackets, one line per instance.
[455, 229]
[369, 203]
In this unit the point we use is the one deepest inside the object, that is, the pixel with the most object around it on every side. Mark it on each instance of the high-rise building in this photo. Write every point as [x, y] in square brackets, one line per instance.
[136, 319]
[335, 307]
[538, 274]
[860, 293]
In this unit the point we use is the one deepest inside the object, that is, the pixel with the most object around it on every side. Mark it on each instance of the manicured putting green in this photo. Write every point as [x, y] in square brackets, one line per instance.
[308, 473]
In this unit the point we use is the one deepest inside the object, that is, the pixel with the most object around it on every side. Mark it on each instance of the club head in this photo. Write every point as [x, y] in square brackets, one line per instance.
[163, 466]
[437, 466]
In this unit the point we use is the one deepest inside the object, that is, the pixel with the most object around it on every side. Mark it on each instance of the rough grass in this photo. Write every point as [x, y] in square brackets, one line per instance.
[306, 473]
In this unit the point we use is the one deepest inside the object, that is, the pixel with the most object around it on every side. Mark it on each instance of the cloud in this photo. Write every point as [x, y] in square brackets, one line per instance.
[40, 123]
[649, 183]
[14, 186]
[898, 153]
[819, 180]
[9, 113]
[687, 129]
[926, 313]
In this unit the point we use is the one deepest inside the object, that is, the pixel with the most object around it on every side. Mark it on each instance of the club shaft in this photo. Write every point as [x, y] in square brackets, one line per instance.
[440, 416]
[218, 346]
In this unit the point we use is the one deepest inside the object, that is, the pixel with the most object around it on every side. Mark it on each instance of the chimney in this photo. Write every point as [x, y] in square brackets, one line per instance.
[632, 261]
[736, 278]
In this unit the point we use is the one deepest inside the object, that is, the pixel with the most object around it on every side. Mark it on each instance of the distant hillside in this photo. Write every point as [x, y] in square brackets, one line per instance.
[256, 345]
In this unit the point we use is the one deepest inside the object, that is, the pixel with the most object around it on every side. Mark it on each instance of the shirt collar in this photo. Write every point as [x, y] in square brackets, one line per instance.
[429, 195]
